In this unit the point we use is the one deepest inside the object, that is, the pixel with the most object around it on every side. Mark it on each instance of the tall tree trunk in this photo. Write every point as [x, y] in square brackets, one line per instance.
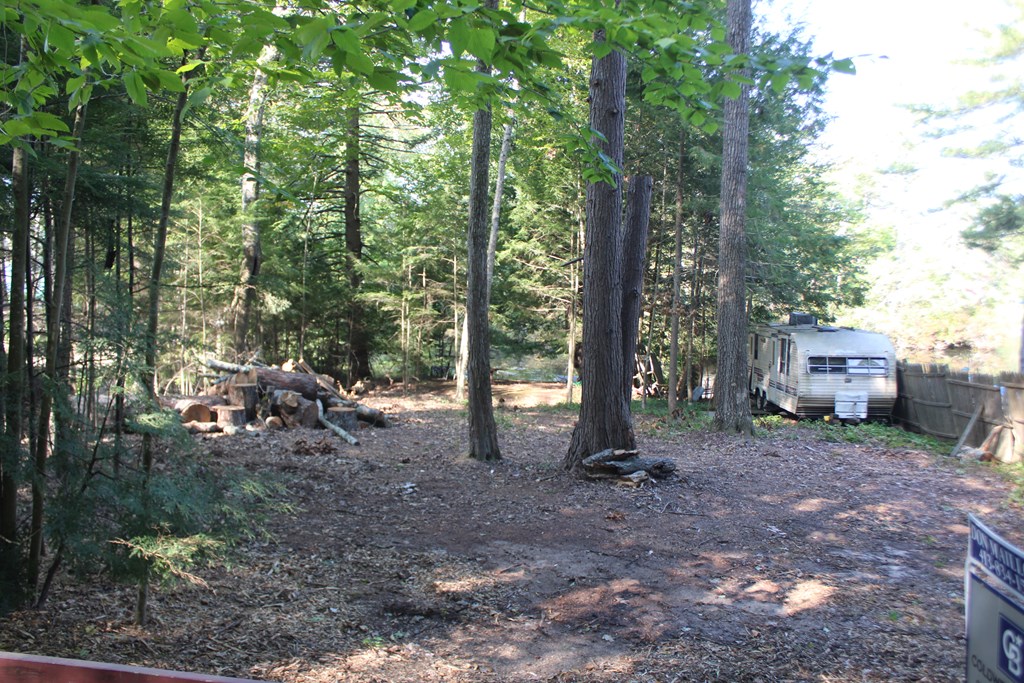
[14, 394]
[732, 402]
[673, 363]
[605, 420]
[483, 433]
[252, 250]
[462, 357]
[359, 340]
[153, 317]
[634, 249]
[574, 286]
[499, 191]
[62, 267]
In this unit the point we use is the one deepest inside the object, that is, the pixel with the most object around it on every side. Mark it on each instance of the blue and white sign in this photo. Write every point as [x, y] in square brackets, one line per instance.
[995, 608]
[996, 556]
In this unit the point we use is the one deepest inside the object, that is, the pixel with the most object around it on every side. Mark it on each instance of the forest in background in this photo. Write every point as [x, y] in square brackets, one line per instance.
[295, 181]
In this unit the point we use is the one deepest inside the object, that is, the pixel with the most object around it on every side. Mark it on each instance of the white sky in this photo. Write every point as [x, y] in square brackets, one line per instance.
[906, 52]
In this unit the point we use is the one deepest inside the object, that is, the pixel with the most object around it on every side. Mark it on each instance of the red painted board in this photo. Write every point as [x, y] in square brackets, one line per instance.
[19, 668]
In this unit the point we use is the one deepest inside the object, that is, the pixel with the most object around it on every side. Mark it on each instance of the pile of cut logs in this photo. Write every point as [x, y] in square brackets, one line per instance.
[291, 396]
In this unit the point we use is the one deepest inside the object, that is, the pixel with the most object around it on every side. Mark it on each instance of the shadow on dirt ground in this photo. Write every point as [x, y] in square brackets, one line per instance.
[785, 558]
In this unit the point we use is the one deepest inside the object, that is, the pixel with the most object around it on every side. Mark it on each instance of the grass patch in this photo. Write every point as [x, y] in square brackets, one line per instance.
[877, 434]
[655, 417]
[1014, 474]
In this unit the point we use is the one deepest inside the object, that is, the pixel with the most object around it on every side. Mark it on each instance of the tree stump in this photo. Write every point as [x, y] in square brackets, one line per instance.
[231, 416]
[244, 395]
[343, 417]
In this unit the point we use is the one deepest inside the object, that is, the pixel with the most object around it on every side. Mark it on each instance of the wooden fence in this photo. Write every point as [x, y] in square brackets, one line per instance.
[19, 668]
[953, 405]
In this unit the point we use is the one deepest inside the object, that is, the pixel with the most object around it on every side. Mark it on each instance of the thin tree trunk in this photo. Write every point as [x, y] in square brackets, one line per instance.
[499, 191]
[483, 432]
[604, 420]
[732, 403]
[673, 362]
[14, 394]
[463, 360]
[1020, 360]
[252, 250]
[153, 316]
[634, 249]
[62, 257]
[574, 286]
[359, 340]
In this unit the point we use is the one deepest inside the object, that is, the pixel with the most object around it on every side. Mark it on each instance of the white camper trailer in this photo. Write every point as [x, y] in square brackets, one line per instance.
[813, 370]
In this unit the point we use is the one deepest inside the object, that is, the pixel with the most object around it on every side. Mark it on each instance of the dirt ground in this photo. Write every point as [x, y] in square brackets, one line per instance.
[787, 558]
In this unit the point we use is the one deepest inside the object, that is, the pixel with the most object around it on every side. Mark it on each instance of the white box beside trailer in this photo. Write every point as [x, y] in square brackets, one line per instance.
[813, 370]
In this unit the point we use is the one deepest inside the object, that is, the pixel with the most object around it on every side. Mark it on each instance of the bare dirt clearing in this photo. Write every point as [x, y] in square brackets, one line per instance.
[789, 558]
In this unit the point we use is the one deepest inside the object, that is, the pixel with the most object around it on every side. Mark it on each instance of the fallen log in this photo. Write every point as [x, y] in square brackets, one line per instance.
[625, 465]
[363, 412]
[304, 381]
[607, 455]
[201, 427]
[192, 410]
[294, 408]
[655, 468]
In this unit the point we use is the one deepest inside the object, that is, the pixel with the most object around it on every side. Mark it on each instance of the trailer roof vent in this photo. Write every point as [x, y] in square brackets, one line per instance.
[802, 319]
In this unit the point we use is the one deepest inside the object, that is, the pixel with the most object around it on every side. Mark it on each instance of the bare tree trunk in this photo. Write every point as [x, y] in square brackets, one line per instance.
[673, 363]
[62, 267]
[574, 286]
[252, 250]
[634, 249]
[462, 361]
[462, 357]
[359, 340]
[153, 315]
[14, 393]
[605, 420]
[483, 433]
[732, 402]
[499, 191]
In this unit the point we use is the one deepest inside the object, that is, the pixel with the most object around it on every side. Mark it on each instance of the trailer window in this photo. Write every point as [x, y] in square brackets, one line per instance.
[826, 365]
[785, 350]
[867, 366]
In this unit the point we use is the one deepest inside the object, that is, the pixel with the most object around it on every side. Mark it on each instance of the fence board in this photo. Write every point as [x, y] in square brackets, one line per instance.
[927, 402]
[936, 401]
[1013, 390]
[21, 668]
[967, 393]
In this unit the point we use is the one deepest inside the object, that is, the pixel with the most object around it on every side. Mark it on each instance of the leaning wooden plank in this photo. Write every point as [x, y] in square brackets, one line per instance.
[967, 429]
[335, 428]
[19, 667]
